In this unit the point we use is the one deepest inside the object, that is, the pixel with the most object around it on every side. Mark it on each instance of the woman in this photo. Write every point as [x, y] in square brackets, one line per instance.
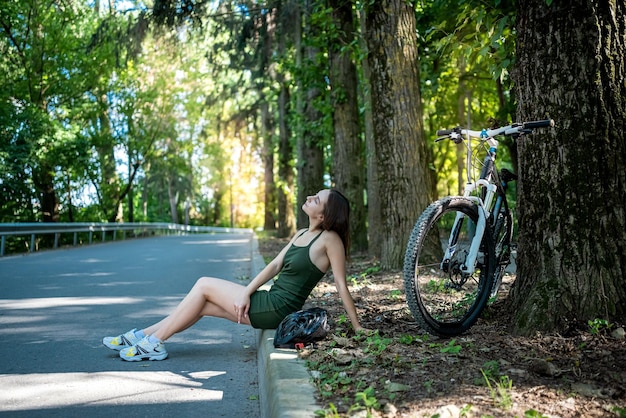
[302, 263]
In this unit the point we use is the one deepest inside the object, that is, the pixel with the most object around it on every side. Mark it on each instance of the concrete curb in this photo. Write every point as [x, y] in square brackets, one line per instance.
[285, 389]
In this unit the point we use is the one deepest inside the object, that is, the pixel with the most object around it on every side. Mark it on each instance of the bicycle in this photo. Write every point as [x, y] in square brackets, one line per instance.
[460, 246]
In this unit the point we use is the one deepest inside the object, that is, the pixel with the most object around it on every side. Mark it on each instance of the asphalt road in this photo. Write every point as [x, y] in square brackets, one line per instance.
[56, 306]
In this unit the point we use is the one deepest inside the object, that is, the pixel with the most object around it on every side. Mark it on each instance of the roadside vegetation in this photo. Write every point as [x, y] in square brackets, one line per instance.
[399, 371]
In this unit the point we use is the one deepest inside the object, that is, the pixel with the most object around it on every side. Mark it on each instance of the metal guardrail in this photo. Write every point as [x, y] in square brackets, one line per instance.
[35, 229]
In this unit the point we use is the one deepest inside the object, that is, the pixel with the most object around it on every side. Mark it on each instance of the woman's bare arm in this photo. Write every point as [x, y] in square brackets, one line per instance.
[336, 255]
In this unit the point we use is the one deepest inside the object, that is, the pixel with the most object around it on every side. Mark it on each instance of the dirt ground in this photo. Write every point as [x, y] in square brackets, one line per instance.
[401, 371]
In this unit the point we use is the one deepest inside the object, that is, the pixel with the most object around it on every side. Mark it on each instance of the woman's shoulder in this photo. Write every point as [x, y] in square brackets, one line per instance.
[331, 238]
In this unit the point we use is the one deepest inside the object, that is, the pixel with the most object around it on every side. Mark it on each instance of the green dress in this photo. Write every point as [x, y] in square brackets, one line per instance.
[290, 290]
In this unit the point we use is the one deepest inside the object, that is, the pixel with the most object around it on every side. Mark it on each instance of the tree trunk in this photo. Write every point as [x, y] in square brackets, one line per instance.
[348, 157]
[268, 26]
[44, 182]
[310, 136]
[374, 219]
[286, 216]
[572, 222]
[267, 154]
[172, 194]
[402, 155]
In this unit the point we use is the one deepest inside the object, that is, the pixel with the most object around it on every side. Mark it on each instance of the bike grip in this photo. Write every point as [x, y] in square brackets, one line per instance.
[538, 124]
[444, 132]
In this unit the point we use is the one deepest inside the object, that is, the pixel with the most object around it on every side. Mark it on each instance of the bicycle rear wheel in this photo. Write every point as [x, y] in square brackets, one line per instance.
[443, 299]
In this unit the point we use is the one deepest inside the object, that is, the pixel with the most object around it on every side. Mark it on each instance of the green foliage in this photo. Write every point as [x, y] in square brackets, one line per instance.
[491, 369]
[366, 400]
[362, 277]
[598, 325]
[342, 319]
[619, 411]
[451, 347]
[465, 411]
[531, 413]
[376, 344]
[436, 286]
[330, 412]
[467, 49]
[500, 390]
[410, 339]
[121, 116]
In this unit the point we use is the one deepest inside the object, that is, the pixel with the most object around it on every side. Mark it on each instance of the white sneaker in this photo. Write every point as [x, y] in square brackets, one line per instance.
[143, 350]
[121, 341]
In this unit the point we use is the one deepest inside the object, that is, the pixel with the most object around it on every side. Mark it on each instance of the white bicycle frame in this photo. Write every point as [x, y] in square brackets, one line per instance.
[469, 267]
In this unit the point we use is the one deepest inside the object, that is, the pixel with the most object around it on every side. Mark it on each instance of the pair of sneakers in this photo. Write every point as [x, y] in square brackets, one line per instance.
[134, 348]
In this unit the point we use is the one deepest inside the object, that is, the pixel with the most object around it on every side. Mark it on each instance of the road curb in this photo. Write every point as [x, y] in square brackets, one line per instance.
[285, 389]
[284, 382]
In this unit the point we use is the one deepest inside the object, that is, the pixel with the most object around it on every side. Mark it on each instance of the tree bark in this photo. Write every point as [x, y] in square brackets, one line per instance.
[348, 156]
[310, 137]
[265, 49]
[44, 181]
[572, 211]
[172, 194]
[285, 187]
[400, 149]
[374, 220]
[267, 154]
[286, 216]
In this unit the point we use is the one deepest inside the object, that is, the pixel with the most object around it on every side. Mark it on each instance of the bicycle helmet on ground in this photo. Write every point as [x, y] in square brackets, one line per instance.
[302, 328]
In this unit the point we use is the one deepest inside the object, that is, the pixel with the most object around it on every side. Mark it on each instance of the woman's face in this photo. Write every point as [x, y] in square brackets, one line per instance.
[314, 205]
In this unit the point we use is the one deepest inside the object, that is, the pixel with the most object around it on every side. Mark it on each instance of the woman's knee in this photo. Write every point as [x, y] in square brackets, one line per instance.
[207, 284]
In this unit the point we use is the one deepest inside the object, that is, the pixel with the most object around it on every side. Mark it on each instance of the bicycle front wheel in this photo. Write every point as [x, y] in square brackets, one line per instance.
[443, 298]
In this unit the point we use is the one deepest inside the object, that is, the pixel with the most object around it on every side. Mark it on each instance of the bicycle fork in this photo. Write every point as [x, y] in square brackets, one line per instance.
[468, 267]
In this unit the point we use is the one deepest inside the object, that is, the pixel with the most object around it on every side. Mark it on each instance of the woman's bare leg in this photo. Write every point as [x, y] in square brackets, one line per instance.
[208, 297]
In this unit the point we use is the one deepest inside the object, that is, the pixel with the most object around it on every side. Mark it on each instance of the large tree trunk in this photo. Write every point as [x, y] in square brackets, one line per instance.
[402, 155]
[348, 158]
[44, 182]
[572, 222]
[268, 26]
[286, 216]
[310, 136]
[267, 154]
[374, 221]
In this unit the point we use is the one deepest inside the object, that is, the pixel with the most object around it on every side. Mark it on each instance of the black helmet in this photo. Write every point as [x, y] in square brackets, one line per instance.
[302, 327]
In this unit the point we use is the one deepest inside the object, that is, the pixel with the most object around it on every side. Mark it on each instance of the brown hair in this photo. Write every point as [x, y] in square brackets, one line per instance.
[337, 217]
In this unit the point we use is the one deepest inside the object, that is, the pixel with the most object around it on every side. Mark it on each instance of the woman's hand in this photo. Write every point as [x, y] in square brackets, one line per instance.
[242, 305]
[362, 330]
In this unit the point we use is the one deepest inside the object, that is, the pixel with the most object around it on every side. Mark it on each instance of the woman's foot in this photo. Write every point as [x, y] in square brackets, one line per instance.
[122, 341]
[144, 350]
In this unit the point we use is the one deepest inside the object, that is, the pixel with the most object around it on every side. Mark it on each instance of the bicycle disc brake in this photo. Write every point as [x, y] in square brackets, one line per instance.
[456, 277]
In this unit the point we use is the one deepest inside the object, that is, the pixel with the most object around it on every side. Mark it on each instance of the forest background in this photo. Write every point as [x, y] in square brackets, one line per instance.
[229, 113]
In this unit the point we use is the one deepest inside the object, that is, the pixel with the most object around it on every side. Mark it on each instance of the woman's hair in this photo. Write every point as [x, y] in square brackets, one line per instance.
[337, 217]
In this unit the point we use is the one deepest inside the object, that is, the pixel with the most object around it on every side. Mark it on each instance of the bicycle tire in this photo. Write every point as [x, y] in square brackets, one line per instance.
[443, 303]
[502, 236]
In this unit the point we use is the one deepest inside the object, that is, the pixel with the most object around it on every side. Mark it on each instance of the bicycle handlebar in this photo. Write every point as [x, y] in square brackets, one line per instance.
[444, 132]
[549, 123]
[516, 128]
